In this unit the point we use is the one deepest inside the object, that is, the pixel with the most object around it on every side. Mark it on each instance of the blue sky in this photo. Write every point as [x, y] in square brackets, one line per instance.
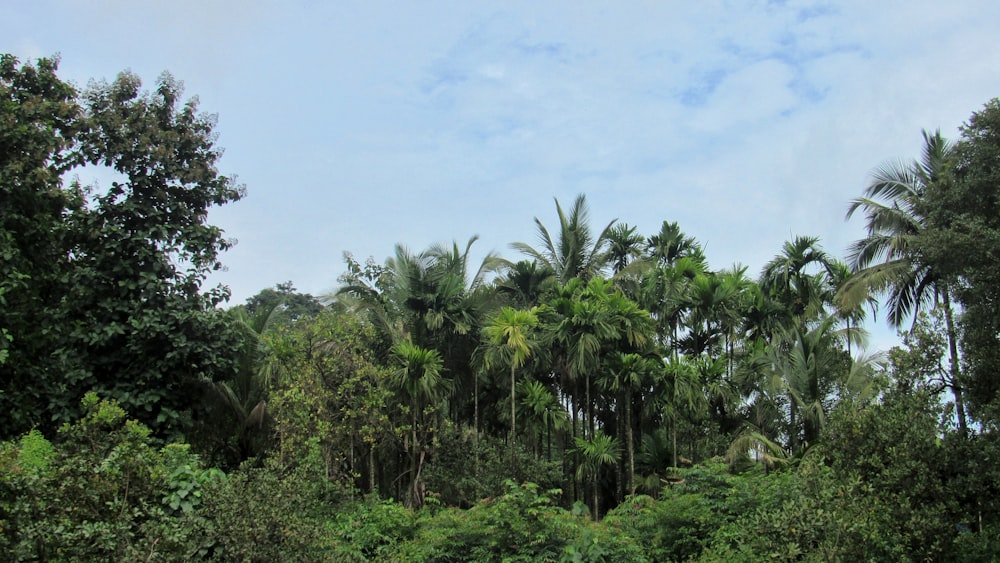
[358, 125]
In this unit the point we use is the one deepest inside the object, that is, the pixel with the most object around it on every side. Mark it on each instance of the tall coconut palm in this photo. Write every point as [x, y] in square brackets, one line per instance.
[510, 342]
[576, 252]
[887, 260]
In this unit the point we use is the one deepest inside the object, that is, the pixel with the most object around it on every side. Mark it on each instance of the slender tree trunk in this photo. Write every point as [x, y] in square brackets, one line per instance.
[414, 449]
[793, 431]
[673, 434]
[849, 338]
[475, 425]
[577, 486]
[371, 467]
[548, 439]
[673, 418]
[513, 426]
[590, 409]
[597, 496]
[956, 388]
[629, 445]
[622, 466]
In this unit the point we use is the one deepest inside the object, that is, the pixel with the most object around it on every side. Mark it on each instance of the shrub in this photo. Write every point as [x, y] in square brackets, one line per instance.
[102, 491]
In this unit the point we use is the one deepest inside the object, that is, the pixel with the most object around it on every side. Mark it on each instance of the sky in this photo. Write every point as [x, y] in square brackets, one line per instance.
[359, 125]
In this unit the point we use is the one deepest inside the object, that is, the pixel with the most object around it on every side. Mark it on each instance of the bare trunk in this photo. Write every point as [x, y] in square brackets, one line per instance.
[371, 467]
[622, 466]
[597, 497]
[956, 388]
[513, 426]
[590, 410]
[475, 424]
[629, 446]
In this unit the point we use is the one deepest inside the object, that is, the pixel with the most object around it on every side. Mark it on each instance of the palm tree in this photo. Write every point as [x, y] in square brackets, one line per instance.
[419, 376]
[523, 283]
[510, 342]
[665, 291]
[624, 246]
[242, 400]
[852, 314]
[671, 244]
[808, 369]
[629, 372]
[596, 452]
[786, 279]
[576, 253]
[679, 390]
[887, 261]
[432, 299]
[540, 407]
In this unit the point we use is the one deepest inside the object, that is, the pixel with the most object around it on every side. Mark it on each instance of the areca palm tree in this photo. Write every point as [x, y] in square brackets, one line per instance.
[540, 407]
[432, 299]
[671, 244]
[787, 279]
[679, 390]
[523, 283]
[241, 401]
[576, 252]
[419, 375]
[629, 372]
[808, 369]
[887, 261]
[666, 293]
[510, 342]
[596, 452]
[624, 246]
[852, 314]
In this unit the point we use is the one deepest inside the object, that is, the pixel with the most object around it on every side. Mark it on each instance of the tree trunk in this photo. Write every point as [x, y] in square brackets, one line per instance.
[956, 388]
[513, 426]
[622, 466]
[371, 467]
[629, 447]
[597, 496]
[793, 432]
[411, 494]
[590, 409]
[475, 424]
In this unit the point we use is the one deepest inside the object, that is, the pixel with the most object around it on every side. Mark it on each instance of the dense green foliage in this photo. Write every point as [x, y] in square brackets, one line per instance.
[612, 398]
[100, 286]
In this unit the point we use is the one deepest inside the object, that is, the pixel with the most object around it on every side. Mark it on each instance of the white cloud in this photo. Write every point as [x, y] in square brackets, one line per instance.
[357, 125]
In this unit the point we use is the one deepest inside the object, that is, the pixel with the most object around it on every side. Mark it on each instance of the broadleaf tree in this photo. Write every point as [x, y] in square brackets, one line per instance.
[105, 293]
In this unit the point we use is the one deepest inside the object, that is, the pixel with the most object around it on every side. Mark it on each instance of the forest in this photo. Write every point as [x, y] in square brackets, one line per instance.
[601, 395]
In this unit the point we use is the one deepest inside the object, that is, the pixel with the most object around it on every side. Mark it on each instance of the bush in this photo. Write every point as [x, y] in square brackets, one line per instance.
[523, 524]
[260, 514]
[371, 529]
[680, 525]
[102, 491]
[464, 471]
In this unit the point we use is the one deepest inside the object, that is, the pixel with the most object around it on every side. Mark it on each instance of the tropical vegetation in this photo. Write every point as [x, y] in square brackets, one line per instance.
[604, 395]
